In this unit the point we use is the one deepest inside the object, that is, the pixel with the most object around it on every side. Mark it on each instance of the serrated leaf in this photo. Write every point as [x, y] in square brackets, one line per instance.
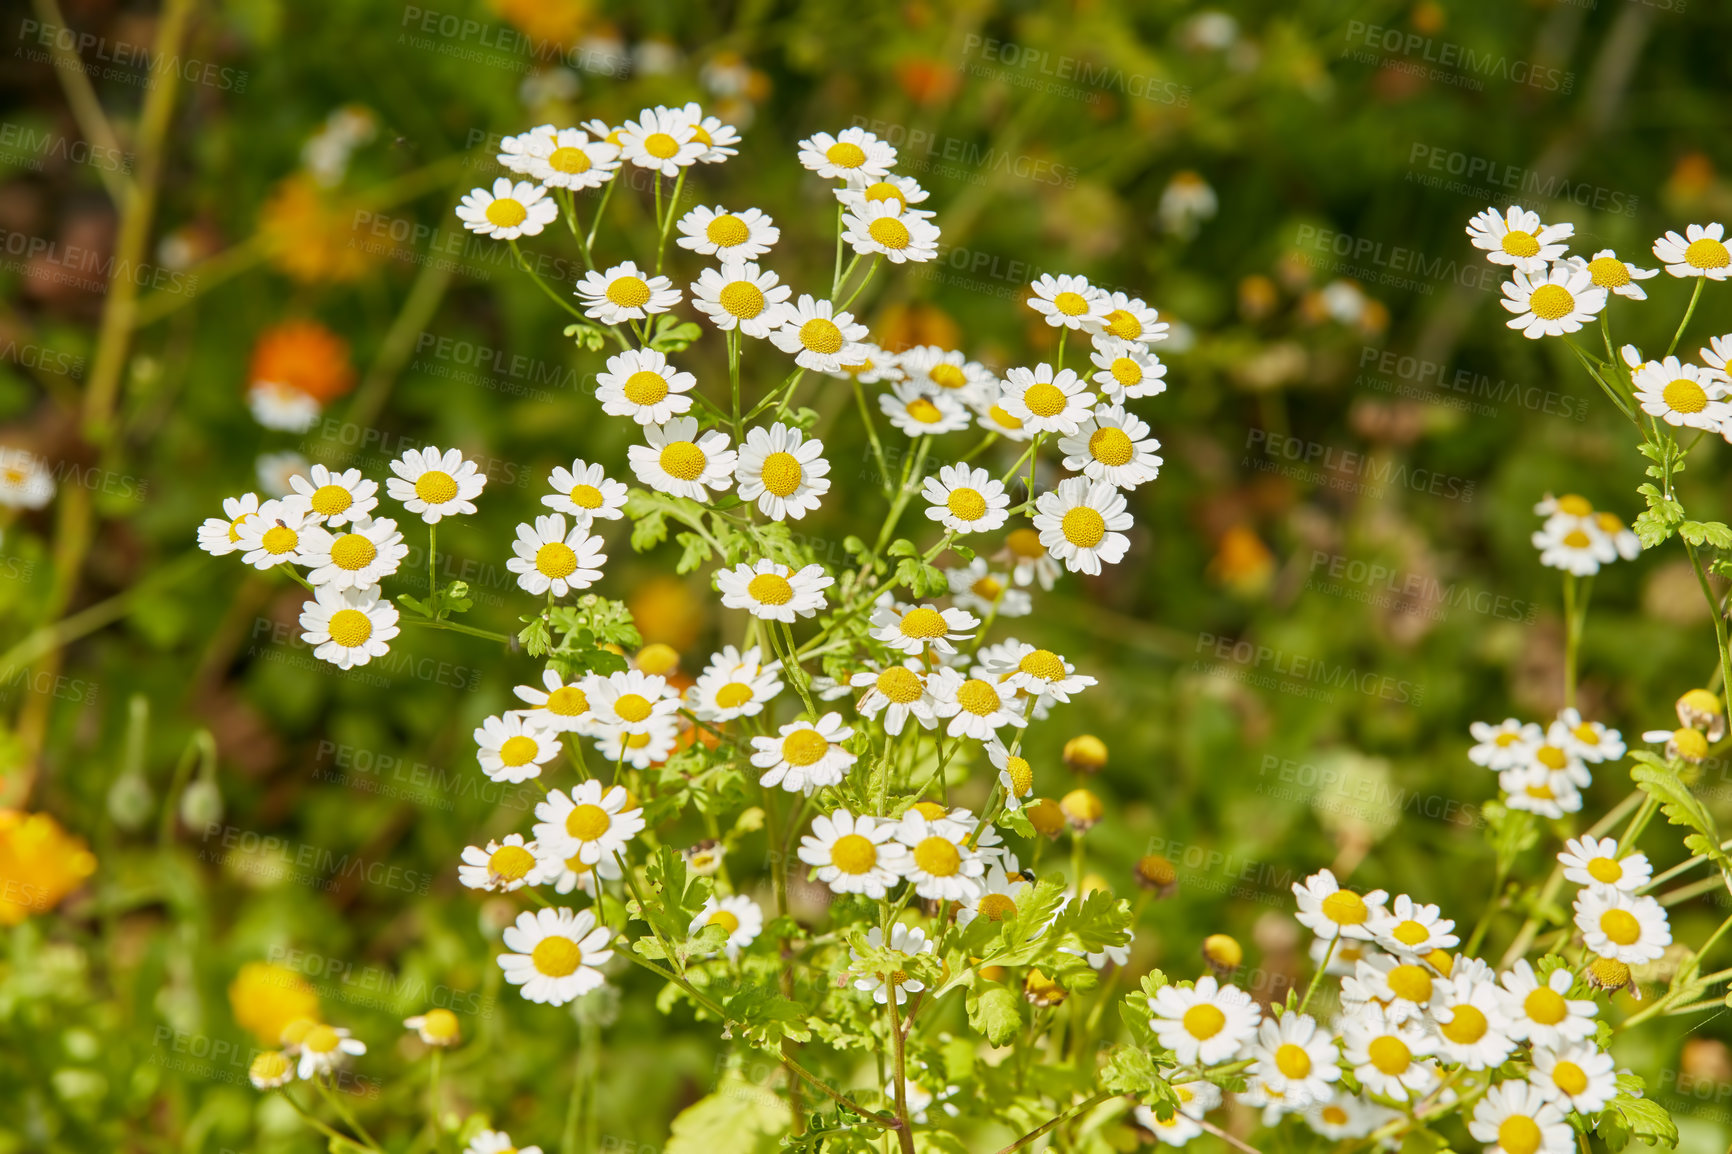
[695, 552]
[996, 1013]
[1641, 1118]
[648, 531]
[902, 547]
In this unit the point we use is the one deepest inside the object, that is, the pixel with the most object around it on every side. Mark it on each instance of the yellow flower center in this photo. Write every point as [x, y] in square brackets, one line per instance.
[804, 747]
[845, 155]
[1621, 927]
[1546, 1006]
[1120, 323]
[632, 707]
[924, 411]
[280, 539]
[440, 1025]
[1585, 732]
[555, 559]
[853, 854]
[518, 750]
[660, 145]
[567, 701]
[435, 487]
[588, 822]
[923, 623]
[889, 232]
[1570, 1078]
[270, 1066]
[727, 231]
[1690, 744]
[885, 190]
[1518, 1134]
[683, 460]
[1685, 396]
[349, 627]
[1084, 527]
[645, 388]
[1390, 1055]
[235, 527]
[967, 504]
[1410, 983]
[1605, 870]
[1410, 933]
[1042, 663]
[1551, 757]
[821, 336]
[733, 695]
[1551, 301]
[1021, 775]
[1576, 539]
[352, 551]
[1706, 253]
[321, 1040]
[1204, 1021]
[328, 500]
[742, 299]
[510, 863]
[978, 697]
[770, 589]
[782, 473]
[1335, 1115]
[556, 956]
[702, 135]
[507, 213]
[938, 857]
[1466, 1027]
[900, 684]
[1519, 243]
[568, 160]
[1110, 446]
[1541, 792]
[987, 588]
[727, 919]
[1609, 272]
[1044, 400]
[585, 496]
[1071, 304]
[1127, 372]
[629, 292]
[1292, 1061]
[996, 907]
[998, 414]
[948, 376]
[1345, 908]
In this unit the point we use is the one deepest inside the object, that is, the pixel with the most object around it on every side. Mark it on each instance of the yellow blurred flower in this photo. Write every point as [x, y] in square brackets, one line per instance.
[557, 21]
[312, 236]
[1242, 562]
[266, 997]
[666, 612]
[40, 863]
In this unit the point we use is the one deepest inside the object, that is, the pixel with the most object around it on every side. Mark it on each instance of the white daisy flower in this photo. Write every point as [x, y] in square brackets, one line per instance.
[550, 559]
[1622, 927]
[1028, 559]
[282, 408]
[911, 628]
[1404, 988]
[554, 954]
[25, 482]
[497, 1142]
[977, 707]
[874, 366]
[920, 413]
[640, 384]
[1517, 238]
[557, 707]
[275, 534]
[734, 684]
[819, 338]
[726, 235]
[882, 229]
[740, 294]
[850, 154]
[661, 139]
[1552, 303]
[567, 159]
[220, 536]
[738, 915]
[1388, 1055]
[625, 293]
[1595, 862]
[899, 692]
[1045, 401]
[1196, 1099]
[1112, 445]
[275, 472]
[1575, 549]
[905, 191]
[1543, 1013]
[903, 940]
[511, 749]
[1539, 790]
[1409, 928]
[1701, 251]
[981, 591]
[639, 747]
[514, 150]
[1503, 746]
[324, 1049]
[586, 492]
[717, 138]
[1206, 1024]
[634, 701]
[1578, 1077]
[334, 498]
[1040, 673]
[1617, 276]
[1015, 774]
[990, 413]
[434, 484]
[1472, 1025]
[677, 461]
[503, 866]
[1342, 954]
[348, 627]
[965, 500]
[1069, 302]
[1716, 357]
[804, 755]
[1329, 911]
[773, 592]
[509, 211]
[1681, 394]
[1295, 1058]
[940, 862]
[363, 554]
[1000, 889]
[1515, 1118]
[588, 824]
[854, 855]
[1082, 523]
[1127, 371]
[783, 470]
[939, 370]
[1129, 319]
[569, 872]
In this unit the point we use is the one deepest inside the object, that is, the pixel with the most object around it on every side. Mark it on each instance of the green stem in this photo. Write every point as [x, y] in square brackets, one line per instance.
[1322, 968]
[433, 571]
[673, 207]
[1714, 611]
[1688, 313]
[606, 194]
[1042, 1130]
[904, 1129]
[457, 627]
[872, 436]
[320, 1125]
[343, 1112]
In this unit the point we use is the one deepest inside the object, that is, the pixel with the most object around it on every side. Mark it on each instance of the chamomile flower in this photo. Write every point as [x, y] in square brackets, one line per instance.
[738, 915]
[980, 590]
[1552, 303]
[717, 138]
[1517, 238]
[741, 295]
[919, 412]
[965, 500]
[881, 228]
[1388, 1053]
[804, 755]
[549, 559]
[940, 862]
[1346, 1116]
[912, 628]
[1206, 1024]
[677, 461]
[989, 411]
[1403, 987]
[1595, 862]
[554, 953]
[977, 707]
[899, 692]
[1015, 774]
[1574, 549]
[281, 407]
[1701, 251]
[274, 535]
[1046, 401]
[511, 749]
[939, 370]
[1406, 927]
[1578, 1077]
[503, 866]
[871, 366]
[661, 139]
[734, 684]
[586, 492]
[903, 940]
[1029, 561]
[1682, 395]
[850, 154]
[903, 191]
[1472, 1025]
[1515, 1118]
[588, 824]
[771, 591]
[1543, 1013]
[568, 871]
[819, 338]
[509, 211]
[1295, 1058]
[270, 1069]
[640, 747]
[854, 855]
[324, 1049]
[1623, 927]
[1040, 673]
[640, 384]
[220, 536]
[625, 293]
[514, 150]
[1129, 319]
[435, 485]
[1082, 523]
[1716, 357]
[348, 627]
[783, 470]
[1617, 276]
[568, 159]
[1112, 445]
[497, 1142]
[633, 700]
[359, 555]
[1126, 371]
[1069, 302]
[1000, 889]
[1195, 1100]
[334, 498]
[1505, 745]
[742, 236]
[556, 707]
[1329, 911]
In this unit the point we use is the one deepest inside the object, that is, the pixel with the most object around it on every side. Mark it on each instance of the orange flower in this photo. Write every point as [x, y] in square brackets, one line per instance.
[1242, 562]
[556, 21]
[311, 236]
[40, 863]
[304, 356]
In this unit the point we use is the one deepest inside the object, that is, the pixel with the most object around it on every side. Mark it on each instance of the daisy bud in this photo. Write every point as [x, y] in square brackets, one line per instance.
[1441, 961]
[295, 1033]
[1155, 872]
[1042, 990]
[1700, 709]
[1223, 953]
[1612, 976]
[705, 858]
[1082, 809]
[1046, 816]
[201, 805]
[658, 659]
[438, 1027]
[271, 1069]
[1688, 744]
[1086, 753]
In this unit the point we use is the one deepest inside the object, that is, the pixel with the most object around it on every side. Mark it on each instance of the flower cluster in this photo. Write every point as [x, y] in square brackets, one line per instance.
[1578, 539]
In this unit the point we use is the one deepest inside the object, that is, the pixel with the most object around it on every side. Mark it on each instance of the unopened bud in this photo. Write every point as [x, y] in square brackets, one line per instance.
[1223, 953]
[1086, 753]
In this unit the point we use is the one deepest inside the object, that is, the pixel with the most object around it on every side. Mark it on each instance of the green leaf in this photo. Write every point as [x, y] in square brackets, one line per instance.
[1130, 1070]
[587, 336]
[995, 1012]
[1658, 780]
[902, 547]
[696, 552]
[535, 639]
[648, 531]
[739, 1118]
[673, 335]
[1626, 1117]
[414, 604]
